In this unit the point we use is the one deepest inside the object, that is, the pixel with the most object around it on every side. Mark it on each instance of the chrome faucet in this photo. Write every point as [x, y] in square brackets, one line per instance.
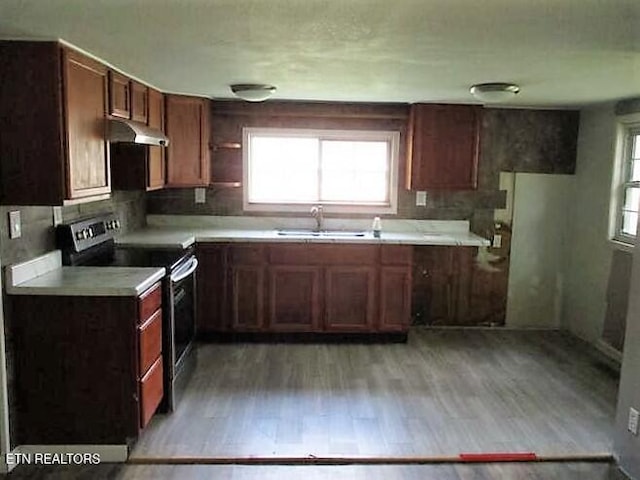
[317, 213]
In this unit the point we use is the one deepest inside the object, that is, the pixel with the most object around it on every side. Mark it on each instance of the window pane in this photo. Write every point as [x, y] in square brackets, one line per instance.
[635, 152]
[355, 171]
[629, 223]
[632, 199]
[283, 170]
[634, 171]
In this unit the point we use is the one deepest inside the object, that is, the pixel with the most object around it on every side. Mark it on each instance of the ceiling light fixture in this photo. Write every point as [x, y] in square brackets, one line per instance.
[494, 92]
[252, 92]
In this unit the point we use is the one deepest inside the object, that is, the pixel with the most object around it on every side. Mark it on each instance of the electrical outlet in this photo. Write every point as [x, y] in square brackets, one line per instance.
[15, 224]
[421, 199]
[201, 195]
[57, 216]
[497, 241]
[633, 421]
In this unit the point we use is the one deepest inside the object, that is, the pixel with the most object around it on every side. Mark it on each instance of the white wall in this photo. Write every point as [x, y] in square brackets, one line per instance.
[538, 246]
[627, 446]
[588, 253]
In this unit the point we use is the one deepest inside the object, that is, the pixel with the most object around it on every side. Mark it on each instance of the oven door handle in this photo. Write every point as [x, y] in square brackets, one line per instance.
[185, 271]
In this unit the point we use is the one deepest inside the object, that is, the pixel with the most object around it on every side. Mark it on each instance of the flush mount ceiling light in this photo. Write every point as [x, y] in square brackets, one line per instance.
[252, 92]
[494, 92]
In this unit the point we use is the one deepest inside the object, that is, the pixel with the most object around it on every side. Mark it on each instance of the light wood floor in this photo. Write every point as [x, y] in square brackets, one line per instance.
[537, 471]
[443, 393]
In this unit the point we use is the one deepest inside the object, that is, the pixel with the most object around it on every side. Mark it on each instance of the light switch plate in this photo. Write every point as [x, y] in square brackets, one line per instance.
[497, 240]
[15, 224]
[421, 199]
[201, 195]
[57, 216]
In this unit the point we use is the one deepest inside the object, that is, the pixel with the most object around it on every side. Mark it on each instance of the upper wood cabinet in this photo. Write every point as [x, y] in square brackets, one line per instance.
[141, 167]
[187, 123]
[157, 170]
[53, 147]
[139, 102]
[119, 95]
[443, 147]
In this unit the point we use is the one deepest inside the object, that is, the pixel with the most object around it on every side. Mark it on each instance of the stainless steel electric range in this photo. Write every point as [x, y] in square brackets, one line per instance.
[90, 242]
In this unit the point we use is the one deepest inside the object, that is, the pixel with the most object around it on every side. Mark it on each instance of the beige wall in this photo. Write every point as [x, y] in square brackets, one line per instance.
[589, 252]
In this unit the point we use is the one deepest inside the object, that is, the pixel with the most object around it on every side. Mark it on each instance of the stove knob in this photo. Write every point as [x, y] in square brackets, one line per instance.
[90, 232]
[79, 235]
[116, 223]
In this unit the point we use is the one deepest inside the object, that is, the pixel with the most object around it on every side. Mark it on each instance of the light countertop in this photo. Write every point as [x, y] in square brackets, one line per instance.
[45, 276]
[160, 235]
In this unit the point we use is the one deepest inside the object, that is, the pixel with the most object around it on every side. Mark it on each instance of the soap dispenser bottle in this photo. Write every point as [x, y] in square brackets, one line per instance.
[376, 227]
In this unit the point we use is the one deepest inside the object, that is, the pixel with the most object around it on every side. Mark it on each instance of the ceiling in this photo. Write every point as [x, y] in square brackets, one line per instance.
[563, 53]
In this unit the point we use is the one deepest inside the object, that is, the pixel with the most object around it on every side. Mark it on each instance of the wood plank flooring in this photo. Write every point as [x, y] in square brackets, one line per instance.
[535, 471]
[443, 393]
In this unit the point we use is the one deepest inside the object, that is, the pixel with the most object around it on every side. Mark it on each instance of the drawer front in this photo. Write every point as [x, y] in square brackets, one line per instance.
[253, 254]
[151, 389]
[150, 341]
[396, 254]
[323, 255]
[149, 302]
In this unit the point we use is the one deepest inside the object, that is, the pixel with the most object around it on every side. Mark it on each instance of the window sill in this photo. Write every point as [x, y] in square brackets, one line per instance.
[619, 245]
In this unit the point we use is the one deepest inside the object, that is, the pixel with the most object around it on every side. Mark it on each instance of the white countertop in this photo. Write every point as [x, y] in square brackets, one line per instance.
[45, 276]
[416, 232]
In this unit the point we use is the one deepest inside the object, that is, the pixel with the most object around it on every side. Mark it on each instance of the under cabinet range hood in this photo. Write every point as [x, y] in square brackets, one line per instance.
[128, 131]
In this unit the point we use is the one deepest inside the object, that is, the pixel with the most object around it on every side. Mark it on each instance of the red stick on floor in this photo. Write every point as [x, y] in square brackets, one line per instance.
[498, 457]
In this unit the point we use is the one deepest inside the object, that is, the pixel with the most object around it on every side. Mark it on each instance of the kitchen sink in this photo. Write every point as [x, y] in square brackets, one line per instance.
[321, 233]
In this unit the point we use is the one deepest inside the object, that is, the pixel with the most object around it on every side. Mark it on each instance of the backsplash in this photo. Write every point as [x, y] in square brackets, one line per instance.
[511, 139]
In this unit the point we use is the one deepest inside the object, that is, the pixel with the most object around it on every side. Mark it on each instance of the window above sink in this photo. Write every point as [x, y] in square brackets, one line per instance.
[346, 171]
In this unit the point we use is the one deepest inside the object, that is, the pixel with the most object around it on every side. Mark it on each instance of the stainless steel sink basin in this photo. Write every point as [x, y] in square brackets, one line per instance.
[321, 233]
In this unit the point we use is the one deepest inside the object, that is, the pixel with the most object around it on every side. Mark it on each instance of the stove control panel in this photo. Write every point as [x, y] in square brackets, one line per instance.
[85, 233]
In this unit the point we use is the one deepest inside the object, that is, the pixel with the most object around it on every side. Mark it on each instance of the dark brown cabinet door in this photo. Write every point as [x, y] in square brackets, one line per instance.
[349, 298]
[247, 297]
[156, 171]
[187, 123]
[211, 282]
[395, 298]
[119, 95]
[85, 84]
[432, 289]
[443, 147]
[139, 102]
[442, 285]
[294, 298]
[395, 287]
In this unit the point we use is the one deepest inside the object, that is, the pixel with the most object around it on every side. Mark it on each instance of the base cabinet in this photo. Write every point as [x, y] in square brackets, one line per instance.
[294, 298]
[247, 297]
[97, 376]
[315, 288]
[442, 285]
[349, 297]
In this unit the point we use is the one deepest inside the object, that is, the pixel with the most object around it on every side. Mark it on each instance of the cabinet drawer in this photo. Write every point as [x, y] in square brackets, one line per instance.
[151, 389]
[150, 341]
[248, 254]
[306, 254]
[396, 255]
[149, 302]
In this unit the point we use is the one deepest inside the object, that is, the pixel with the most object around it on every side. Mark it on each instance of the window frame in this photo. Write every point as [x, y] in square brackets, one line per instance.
[628, 128]
[393, 137]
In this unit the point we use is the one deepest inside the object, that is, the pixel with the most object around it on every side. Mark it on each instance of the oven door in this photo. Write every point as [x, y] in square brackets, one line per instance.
[181, 331]
[183, 300]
